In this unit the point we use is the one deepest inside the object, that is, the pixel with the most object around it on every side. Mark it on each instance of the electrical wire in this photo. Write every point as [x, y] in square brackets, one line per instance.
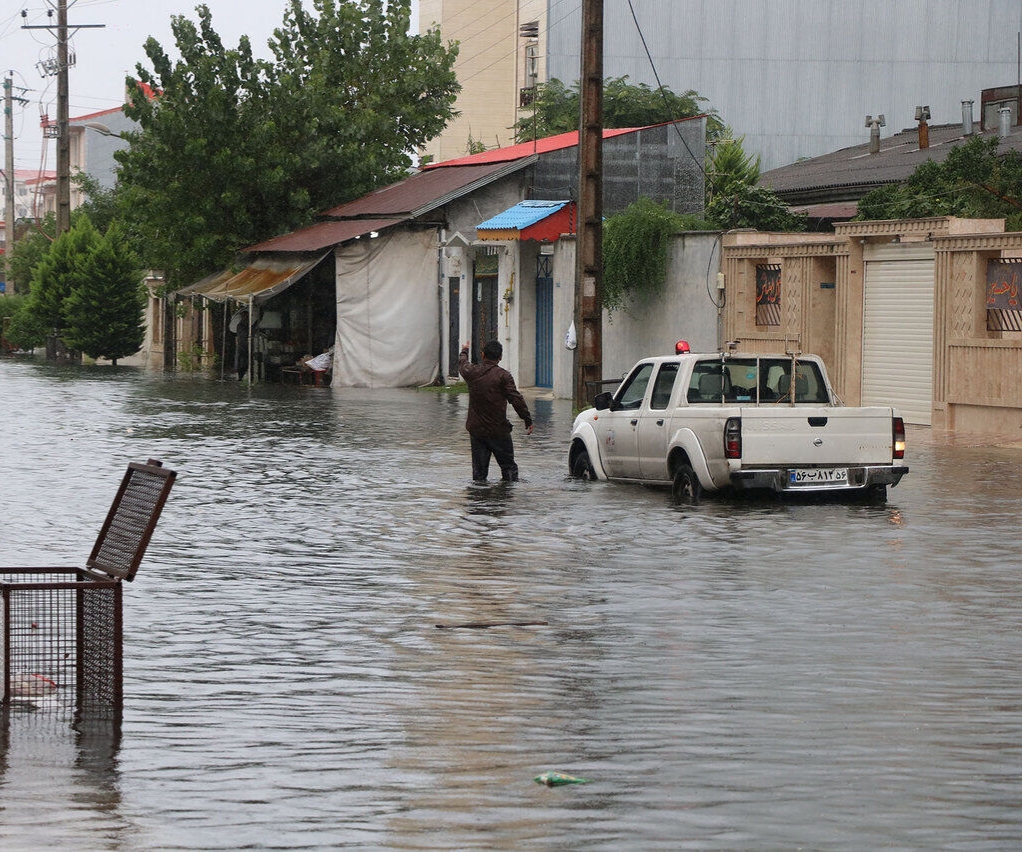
[660, 88]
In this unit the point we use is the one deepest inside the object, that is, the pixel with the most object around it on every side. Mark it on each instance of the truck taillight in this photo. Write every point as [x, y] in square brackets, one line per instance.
[733, 438]
[899, 438]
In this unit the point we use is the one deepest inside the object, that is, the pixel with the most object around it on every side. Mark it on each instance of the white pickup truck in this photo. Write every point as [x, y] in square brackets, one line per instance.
[712, 422]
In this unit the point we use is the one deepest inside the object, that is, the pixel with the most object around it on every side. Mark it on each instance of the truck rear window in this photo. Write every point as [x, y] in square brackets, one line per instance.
[757, 380]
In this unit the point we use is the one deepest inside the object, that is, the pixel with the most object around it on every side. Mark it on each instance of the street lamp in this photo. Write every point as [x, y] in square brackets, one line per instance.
[101, 128]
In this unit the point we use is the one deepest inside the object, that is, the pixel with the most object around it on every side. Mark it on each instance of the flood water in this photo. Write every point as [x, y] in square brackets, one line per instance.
[737, 675]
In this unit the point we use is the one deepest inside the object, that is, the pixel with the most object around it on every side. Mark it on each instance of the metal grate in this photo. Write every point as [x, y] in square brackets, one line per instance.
[129, 525]
[61, 640]
[61, 629]
[998, 320]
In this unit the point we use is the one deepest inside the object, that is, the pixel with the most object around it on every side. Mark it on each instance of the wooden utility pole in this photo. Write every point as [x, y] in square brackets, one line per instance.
[589, 245]
[9, 178]
[63, 135]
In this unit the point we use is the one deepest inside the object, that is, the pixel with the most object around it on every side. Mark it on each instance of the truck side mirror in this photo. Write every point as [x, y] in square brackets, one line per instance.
[603, 400]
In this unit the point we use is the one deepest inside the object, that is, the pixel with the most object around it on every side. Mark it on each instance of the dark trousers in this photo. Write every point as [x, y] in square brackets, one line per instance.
[502, 449]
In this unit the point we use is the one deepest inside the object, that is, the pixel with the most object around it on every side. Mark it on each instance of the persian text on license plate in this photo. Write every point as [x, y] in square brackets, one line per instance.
[818, 476]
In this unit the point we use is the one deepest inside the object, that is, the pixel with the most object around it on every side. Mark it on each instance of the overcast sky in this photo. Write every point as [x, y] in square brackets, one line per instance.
[105, 56]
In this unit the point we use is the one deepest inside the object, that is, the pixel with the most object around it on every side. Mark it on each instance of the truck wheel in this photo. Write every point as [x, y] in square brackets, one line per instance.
[687, 489]
[582, 468]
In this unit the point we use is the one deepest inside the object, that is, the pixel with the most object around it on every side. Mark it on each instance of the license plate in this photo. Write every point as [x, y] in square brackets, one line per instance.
[818, 476]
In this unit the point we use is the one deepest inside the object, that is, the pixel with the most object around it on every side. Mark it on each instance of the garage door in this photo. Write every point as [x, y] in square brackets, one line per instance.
[897, 337]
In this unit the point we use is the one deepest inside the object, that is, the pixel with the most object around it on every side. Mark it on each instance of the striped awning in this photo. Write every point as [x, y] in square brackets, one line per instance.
[261, 280]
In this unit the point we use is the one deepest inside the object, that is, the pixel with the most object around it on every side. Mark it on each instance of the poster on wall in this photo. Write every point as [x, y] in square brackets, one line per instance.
[768, 294]
[1003, 301]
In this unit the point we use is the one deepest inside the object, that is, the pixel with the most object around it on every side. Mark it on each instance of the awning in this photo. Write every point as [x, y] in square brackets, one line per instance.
[261, 280]
[544, 221]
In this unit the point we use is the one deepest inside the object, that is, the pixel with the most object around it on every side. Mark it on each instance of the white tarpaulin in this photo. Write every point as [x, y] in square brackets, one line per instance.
[388, 312]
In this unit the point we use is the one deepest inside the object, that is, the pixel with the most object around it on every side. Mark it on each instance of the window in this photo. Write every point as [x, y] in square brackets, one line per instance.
[634, 389]
[768, 294]
[750, 380]
[1004, 295]
[663, 386]
[709, 382]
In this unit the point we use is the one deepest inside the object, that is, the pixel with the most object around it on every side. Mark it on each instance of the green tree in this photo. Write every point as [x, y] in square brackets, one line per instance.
[28, 251]
[104, 309]
[59, 272]
[234, 150]
[556, 108]
[733, 199]
[100, 204]
[636, 251]
[973, 181]
[20, 328]
[728, 164]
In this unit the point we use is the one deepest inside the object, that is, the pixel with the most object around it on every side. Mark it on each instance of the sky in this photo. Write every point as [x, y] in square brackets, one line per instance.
[105, 56]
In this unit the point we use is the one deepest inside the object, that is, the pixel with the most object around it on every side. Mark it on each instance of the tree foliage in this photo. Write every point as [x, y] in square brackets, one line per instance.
[20, 330]
[59, 272]
[557, 108]
[104, 309]
[234, 150]
[973, 181]
[28, 251]
[733, 199]
[728, 164]
[636, 251]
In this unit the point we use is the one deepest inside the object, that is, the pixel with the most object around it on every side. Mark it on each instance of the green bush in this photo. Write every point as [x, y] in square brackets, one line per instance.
[636, 251]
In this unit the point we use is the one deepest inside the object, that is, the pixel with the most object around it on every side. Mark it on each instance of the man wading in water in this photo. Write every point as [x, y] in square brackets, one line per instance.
[490, 389]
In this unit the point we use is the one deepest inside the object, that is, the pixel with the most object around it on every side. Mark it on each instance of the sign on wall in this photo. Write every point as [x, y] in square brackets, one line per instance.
[1003, 299]
[768, 294]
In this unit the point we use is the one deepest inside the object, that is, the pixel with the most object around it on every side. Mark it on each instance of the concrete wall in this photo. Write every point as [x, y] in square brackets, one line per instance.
[685, 311]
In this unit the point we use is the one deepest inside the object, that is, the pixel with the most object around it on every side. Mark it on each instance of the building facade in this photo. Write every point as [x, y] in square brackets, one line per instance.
[922, 314]
[796, 78]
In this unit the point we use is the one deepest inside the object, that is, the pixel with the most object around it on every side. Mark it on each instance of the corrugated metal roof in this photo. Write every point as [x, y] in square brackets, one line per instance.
[522, 215]
[425, 191]
[263, 279]
[524, 149]
[323, 235]
[849, 173]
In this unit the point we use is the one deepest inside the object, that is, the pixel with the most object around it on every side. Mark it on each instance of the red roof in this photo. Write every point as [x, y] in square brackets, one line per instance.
[416, 192]
[322, 235]
[524, 149]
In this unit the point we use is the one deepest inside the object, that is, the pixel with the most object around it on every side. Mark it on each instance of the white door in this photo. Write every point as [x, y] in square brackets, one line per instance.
[897, 330]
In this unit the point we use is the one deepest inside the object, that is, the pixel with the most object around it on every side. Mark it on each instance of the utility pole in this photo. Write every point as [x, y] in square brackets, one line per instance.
[9, 182]
[63, 136]
[589, 245]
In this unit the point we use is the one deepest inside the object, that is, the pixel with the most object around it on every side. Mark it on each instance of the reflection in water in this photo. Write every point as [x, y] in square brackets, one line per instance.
[69, 766]
[738, 675]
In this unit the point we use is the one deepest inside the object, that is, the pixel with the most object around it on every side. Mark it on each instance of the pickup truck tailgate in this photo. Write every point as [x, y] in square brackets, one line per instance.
[809, 435]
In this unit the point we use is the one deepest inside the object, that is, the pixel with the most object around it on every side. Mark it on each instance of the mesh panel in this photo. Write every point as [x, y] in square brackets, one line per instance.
[132, 518]
[61, 640]
[61, 630]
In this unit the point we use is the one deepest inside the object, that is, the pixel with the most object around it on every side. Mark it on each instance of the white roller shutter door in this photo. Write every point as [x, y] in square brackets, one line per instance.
[897, 335]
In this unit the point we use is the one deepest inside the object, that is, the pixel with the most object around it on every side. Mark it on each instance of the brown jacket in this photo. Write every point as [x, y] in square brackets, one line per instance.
[490, 389]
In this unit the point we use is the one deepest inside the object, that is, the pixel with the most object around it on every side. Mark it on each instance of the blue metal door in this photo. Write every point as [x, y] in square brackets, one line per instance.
[544, 323]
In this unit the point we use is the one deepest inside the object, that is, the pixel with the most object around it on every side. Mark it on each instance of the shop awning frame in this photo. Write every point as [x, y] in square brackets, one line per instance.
[260, 281]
